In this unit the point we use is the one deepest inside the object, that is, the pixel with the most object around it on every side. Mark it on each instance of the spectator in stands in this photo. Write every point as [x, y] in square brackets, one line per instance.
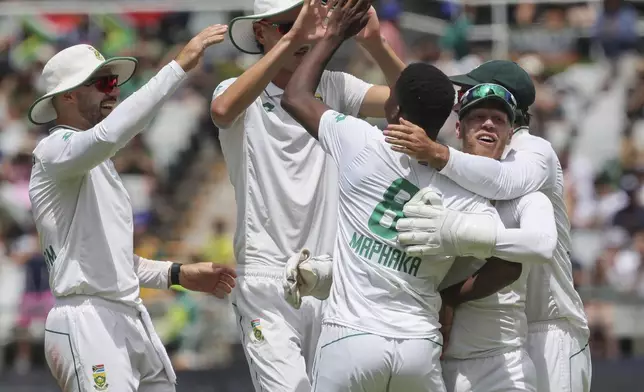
[455, 41]
[615, 29]
[219, 246]
[552, 38]
[389, 15]
[630, 218]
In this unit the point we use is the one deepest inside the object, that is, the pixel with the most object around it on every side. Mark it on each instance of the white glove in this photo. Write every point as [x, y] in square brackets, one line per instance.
[431, 229]
[305, 275]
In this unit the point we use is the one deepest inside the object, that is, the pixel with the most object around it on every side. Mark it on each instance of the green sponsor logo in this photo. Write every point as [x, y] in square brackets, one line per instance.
[269, 107]
[67, 135]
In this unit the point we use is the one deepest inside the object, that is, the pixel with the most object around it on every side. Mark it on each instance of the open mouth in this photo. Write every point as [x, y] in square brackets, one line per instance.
[108, 105]
[487, 139]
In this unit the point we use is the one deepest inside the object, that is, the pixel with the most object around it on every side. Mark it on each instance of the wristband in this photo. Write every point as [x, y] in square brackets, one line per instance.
[175, 270]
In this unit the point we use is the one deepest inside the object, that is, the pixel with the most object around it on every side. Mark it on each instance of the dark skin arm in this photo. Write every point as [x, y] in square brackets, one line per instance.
[347, 19]
[299, 96]
[495, 275]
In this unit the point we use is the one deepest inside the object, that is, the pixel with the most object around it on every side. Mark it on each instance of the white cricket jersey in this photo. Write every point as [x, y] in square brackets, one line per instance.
[377, 287]
[81, 209]
[532, 165]
[497, 324]
[286, 187]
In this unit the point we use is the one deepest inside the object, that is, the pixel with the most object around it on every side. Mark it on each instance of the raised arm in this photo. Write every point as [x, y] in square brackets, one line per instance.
[299, 96]
[69, 153]
[390, 65]
[229, 105]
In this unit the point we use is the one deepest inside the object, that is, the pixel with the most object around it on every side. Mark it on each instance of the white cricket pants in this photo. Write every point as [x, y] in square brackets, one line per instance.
[508, 372]
[92, 344]
[561, 357]
[279, 341]
[349, 360]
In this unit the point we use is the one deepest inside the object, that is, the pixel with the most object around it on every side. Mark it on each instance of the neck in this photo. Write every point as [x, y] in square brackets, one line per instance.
[282, 78]
[78, 123]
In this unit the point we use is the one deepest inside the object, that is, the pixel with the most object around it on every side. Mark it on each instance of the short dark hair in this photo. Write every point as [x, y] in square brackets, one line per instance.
[522, 118]
[425, 96]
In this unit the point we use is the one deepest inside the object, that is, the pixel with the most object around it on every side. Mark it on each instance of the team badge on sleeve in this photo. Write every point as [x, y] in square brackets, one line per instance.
[100, 378]
[257, 335]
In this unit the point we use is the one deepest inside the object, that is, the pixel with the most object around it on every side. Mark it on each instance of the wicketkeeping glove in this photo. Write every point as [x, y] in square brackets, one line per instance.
[306, 275]
[431, 229]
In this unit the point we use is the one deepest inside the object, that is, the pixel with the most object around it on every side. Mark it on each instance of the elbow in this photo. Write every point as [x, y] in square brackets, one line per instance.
[546, 251]
[221, 112]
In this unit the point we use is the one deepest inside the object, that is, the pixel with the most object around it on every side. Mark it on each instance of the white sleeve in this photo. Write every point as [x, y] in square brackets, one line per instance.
[519, 174]
[536, 239]
[344, 137]
[152, 274]
[223, 86]
[69, 153]
[349, 91]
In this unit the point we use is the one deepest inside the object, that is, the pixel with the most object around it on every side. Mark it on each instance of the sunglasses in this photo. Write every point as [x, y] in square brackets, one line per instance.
[105, 84]
[284, 27]
[488, 90]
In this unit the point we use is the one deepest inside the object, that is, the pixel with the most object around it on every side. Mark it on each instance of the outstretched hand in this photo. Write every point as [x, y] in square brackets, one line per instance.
[346, 18]
[190, 55]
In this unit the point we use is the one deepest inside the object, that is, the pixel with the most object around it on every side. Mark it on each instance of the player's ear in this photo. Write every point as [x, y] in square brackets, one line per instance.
[458, 130]
[258, 30]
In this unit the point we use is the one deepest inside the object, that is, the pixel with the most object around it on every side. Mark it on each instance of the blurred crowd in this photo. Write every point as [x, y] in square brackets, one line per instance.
[585, 62]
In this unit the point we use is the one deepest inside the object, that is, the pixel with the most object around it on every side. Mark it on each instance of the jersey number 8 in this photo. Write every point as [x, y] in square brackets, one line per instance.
[382, 221]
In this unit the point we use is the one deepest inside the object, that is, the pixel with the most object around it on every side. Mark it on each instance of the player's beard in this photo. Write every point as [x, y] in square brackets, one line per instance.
[90, 111]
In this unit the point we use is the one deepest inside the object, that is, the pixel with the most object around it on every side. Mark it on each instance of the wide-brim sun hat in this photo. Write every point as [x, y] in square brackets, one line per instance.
[71, 68]
[240, 30]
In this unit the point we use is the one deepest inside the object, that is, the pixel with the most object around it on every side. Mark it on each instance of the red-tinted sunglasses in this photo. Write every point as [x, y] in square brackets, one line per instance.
[105, 84]
[284, 27]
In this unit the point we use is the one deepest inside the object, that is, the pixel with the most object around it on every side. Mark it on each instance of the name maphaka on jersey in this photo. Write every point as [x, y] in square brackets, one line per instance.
[385, 255]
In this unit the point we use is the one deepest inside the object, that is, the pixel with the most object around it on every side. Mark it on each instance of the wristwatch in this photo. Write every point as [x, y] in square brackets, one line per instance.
[175, 270]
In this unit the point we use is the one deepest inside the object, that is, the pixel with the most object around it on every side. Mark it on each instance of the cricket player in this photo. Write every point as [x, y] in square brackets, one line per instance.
[488, 332]
[286, 188]
[558, 330]
[99, 336]
[380, 326]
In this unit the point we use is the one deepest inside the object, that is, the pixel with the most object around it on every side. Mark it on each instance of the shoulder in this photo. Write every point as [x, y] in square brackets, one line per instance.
[221, 87]
[58, 137]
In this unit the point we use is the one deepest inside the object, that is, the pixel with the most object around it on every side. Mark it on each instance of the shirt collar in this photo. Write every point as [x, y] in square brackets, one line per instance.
[57, 127]
[273, 91]
[521, 130]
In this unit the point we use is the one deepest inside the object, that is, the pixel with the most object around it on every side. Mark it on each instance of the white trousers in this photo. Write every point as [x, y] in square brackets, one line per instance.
[561, 357]
[279, 341]
[92, 344]
[509, 372]
[349, 360]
